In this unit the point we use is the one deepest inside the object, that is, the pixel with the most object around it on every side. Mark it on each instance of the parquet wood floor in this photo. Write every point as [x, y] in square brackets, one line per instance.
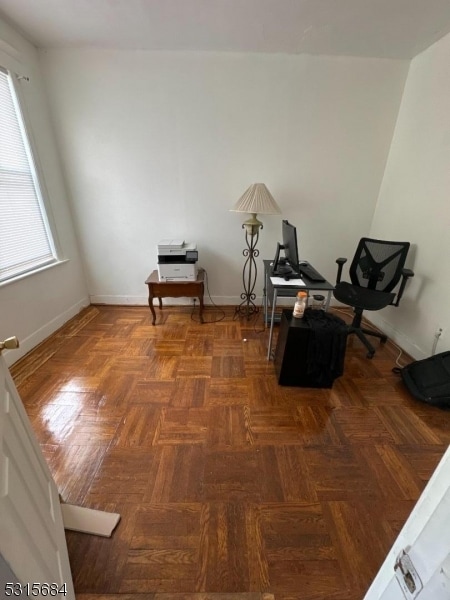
[226, 482]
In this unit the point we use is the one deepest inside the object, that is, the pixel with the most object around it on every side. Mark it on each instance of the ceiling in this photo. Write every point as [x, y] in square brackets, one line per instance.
[367, 28]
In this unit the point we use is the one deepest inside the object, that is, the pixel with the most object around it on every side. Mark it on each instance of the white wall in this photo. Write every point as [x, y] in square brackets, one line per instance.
[35, 306]
[414, 202]
[163, 144]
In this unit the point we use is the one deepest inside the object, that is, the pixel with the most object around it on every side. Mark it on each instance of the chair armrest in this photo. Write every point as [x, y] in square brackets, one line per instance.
[406, 274]
[340, 262]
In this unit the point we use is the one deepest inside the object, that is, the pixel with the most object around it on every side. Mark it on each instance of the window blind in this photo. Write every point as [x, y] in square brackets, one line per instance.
[25, 239]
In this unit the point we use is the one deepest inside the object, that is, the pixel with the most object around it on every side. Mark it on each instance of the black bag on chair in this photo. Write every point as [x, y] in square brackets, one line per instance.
[428, 380]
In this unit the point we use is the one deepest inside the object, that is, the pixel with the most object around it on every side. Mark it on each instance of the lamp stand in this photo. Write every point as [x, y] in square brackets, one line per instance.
[248, 307]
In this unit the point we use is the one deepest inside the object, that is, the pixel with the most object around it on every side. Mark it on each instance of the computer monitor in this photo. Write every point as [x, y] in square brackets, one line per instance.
[289, 233]
[289, 265]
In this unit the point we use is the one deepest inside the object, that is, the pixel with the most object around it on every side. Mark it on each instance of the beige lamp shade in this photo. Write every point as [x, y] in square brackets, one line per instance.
[257, 200]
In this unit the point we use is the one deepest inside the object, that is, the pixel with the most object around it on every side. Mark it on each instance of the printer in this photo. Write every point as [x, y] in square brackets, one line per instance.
[177, 260]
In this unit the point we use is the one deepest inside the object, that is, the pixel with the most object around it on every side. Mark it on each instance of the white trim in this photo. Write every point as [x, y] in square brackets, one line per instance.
[36, 167]
[119, 300]
[26, 345]
[405, 343]
[396, 336]
[143, 300]
[21, 173]
[56, 263]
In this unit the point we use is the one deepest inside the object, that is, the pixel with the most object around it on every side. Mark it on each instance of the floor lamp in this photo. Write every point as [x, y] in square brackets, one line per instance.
[256, 200]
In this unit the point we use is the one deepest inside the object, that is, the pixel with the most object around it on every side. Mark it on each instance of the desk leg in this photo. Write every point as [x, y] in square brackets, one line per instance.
[274, 301]
[265, 298]
[150, 303]
[201, 307]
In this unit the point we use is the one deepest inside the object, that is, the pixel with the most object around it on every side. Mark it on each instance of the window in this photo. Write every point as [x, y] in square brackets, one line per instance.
[25, 239]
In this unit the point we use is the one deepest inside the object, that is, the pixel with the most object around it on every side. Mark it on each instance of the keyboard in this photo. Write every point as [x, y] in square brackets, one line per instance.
[310, 273]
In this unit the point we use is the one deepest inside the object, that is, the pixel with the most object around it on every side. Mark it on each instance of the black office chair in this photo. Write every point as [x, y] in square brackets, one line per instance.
[375, 271]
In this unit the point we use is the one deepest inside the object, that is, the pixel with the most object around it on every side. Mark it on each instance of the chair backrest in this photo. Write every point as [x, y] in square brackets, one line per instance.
[378, 264]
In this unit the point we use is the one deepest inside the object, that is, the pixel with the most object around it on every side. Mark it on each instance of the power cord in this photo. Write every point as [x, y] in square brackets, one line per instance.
[212, 303]
[437, 335]
[261, 311]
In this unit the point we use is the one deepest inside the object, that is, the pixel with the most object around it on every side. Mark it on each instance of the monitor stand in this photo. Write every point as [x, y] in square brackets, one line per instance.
[280, 267]
[283, 270]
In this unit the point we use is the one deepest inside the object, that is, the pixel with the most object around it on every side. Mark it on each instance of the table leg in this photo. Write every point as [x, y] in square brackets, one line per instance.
[160, 302]
[150, 303]
[274, 301]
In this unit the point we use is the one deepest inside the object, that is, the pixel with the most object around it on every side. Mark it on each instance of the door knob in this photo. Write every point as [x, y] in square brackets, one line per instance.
[9, 344]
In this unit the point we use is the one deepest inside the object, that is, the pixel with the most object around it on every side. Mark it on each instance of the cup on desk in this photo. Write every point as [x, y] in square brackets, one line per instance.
[316, 301]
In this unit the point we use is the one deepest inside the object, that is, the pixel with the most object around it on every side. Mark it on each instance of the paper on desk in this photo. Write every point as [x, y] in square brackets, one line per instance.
[282, 281]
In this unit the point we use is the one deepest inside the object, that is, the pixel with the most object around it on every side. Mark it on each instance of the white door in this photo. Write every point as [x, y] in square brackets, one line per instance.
[426, 540]
[32, 539]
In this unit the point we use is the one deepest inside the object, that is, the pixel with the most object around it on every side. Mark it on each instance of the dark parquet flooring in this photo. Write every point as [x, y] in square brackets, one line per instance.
[225, 481]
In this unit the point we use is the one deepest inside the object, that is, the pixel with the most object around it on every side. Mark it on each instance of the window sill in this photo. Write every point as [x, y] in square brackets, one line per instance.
[34, 272]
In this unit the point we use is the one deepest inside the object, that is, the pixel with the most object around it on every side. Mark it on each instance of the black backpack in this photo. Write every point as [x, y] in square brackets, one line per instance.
[428, 380]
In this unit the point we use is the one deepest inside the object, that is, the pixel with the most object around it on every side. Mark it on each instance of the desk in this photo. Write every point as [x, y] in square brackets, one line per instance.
[175, 289]
[287, 289]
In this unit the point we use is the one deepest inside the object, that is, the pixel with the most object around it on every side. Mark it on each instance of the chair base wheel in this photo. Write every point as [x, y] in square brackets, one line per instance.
[370, 354]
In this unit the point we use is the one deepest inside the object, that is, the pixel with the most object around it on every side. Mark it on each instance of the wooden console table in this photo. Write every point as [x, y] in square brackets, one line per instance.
[175, 289]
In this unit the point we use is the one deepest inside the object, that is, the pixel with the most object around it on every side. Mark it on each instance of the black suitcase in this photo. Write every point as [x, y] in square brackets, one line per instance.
[428, 379]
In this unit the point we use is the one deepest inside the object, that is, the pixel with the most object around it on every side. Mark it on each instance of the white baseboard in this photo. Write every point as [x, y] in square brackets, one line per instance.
[119, 300]
[30, 342]
[213, 301]
[143, 300]
[396, 336]
[399, 338]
